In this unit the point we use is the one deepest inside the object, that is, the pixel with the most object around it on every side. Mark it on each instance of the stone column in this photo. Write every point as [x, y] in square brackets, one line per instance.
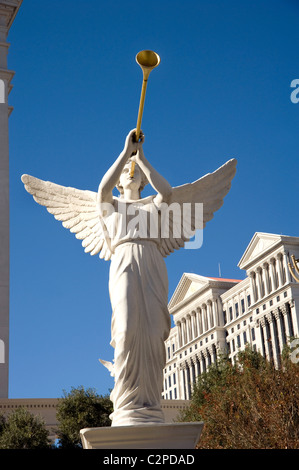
[273, 340]
[215, 312]
[279, 269]
[8, 11]
[197, 366]
[204, 317]
[187, 382]
[265, 336]
[193, 324]
[286, 267]
[210, 314]
[286, 322]
[188, 328]
[259, 282]
[212, 353]
[192, 372]
[199, 321]
[272, 274]
[279, 328]
[181, 387]
[220, 308]
[202, 363]
[253, 286]
[184, 332]
[179, 334]
[266, 278]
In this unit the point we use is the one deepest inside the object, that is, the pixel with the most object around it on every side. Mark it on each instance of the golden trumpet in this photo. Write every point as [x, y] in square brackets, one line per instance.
[147, 60]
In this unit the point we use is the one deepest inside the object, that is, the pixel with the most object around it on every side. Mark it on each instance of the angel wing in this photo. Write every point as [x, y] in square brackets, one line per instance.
[210, 191]
[76, 209]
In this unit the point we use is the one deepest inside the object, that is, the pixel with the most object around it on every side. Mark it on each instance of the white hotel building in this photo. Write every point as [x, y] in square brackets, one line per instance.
[213, 315]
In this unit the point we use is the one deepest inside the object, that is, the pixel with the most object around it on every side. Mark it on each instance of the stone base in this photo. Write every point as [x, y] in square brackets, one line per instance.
[153, 436]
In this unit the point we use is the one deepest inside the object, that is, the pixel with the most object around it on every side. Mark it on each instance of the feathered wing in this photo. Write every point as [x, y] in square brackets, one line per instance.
[210, 191]
[76, 209]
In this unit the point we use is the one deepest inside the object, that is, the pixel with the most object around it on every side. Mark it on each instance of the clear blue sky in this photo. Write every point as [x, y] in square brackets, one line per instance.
[222, 90]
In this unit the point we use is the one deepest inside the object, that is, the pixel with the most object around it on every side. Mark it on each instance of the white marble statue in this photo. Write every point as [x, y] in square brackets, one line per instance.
[132, 232]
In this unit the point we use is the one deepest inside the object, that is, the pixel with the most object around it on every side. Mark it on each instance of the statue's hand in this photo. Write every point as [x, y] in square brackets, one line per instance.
[131, 146]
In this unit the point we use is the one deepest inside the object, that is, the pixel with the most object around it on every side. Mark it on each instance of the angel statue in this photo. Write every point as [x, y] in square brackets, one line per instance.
[138, 283]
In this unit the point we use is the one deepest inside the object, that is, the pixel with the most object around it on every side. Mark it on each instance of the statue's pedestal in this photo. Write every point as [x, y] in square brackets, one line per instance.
[153, 436]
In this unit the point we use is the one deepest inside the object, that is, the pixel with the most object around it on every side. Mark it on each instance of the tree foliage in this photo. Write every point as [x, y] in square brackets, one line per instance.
[81, 409]
[23, 430]
[247, 405]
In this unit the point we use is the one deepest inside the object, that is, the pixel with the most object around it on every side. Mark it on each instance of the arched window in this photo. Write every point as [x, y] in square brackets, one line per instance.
[2, 352]
[2, 91]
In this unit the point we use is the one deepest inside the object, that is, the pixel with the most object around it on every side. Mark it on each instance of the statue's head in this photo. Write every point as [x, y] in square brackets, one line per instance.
[139, 180]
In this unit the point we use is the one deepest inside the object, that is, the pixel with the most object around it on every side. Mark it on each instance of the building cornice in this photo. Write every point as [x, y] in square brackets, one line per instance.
[244, 284]
[9, 10]
[204, 283]
[250, 258]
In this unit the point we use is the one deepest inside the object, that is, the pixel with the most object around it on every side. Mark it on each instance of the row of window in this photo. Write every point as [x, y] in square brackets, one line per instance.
[285, 294]
[172, 394]
[170, 350]
[229, 316]
[170, 382]
[236, 342]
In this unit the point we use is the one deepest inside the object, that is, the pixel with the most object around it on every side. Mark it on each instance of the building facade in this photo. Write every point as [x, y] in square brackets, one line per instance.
[8, 11]
[213, 315]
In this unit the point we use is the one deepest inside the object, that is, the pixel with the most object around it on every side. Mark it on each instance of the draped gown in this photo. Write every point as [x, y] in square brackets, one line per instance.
[138, 288]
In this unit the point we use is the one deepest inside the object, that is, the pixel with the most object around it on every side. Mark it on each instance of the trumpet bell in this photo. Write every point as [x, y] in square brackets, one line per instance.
[147, 60]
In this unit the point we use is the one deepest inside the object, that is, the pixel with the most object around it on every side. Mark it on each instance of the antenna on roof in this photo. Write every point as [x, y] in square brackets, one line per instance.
[219, 269]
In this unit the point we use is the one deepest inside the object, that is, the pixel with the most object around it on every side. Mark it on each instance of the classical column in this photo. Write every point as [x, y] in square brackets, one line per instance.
[279, 269]
[286, 267]
[212, 352]
[184, 333]
[199, 321]
[264, 336]
[179, 334]
[188, 328]
[203, 366]
[208, 356]
[8, 11]
[181, 387]
[280, 328]
[266, 278]
[187, 381]
[197, 366]
[273, 274]
[219, 309]
[192, 372]
[193, 324]
[286, 322]
[253, 286]
[273, 337]
[215, 312]
[259, 282]
[204, 317]
[210, 314]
